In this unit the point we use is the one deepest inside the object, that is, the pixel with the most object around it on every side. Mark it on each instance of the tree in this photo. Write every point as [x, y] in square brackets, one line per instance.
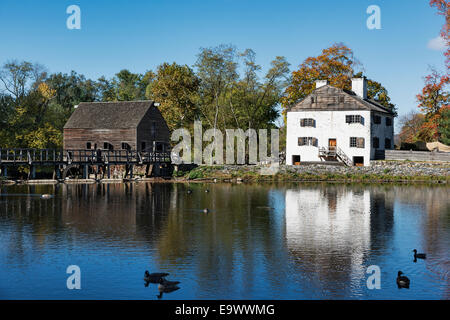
[244, 100]
[432, 99]
[217, 70]
[253, 102]
[71, 89]
[18, 78]
[336, 64]
[444, 126]
[411, 125]
[175, 87]
[124, 86]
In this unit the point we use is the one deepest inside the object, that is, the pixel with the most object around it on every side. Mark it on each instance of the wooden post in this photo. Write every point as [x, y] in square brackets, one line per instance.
[108, 170]
[32, 174]
[85, 171]
[131, 171]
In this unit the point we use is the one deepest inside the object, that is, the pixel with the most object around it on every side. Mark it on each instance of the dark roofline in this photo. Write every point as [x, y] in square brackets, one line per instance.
[351, 93]
[98, 115]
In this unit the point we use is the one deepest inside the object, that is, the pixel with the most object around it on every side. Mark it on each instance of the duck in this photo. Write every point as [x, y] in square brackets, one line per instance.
[402, 281]
[189, 191]
[167, 290]
[419, 255]
[154, 277]
[166, 284]
[206, 190]
[206, 210]
[46, 196]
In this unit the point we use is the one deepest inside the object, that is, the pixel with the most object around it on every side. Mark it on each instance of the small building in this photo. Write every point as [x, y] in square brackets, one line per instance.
[332, 124]
[122, 125]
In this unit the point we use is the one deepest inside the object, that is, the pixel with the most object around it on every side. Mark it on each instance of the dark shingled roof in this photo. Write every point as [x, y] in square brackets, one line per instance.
[108, 115]
[360, 103]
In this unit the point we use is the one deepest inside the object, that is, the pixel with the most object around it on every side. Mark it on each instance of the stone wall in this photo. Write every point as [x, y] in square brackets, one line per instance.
[416, 155]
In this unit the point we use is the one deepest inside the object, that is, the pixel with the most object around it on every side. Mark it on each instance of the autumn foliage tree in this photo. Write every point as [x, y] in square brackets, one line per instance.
[336, 64]
[434, 97]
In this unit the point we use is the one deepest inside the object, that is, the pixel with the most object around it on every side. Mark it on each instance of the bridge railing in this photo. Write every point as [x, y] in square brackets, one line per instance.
[24, 156]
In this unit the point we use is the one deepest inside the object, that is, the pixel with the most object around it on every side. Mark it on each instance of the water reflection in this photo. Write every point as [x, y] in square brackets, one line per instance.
[257, 241]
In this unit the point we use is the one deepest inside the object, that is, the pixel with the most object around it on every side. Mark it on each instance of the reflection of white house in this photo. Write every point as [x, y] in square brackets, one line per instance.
[332, 124]
[321, 225]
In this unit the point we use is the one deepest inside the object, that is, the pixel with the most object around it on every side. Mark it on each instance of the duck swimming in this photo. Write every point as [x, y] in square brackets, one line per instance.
[154, 277]
[46, 196]
[419, 255]
[206, 210]
[167, 290]
[166, 284]
[402, 281]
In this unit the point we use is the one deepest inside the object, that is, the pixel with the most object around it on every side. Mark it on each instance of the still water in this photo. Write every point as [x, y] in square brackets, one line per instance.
[265, 241]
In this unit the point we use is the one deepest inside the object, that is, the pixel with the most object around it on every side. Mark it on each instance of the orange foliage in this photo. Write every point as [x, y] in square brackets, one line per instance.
[335, 64]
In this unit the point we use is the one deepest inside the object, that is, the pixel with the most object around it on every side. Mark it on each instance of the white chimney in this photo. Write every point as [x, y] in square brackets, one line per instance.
[321, 83]
[359, 86]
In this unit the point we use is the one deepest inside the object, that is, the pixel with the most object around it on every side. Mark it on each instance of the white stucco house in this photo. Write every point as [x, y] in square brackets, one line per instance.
[332, 124]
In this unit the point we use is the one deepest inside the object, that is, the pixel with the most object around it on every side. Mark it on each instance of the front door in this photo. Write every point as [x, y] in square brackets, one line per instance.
[332, 144]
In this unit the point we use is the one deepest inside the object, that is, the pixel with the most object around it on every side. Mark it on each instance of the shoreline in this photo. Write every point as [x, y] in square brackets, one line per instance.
[381, 171]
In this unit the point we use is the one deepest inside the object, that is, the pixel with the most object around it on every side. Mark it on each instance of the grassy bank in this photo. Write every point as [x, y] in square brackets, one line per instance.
[252, 174]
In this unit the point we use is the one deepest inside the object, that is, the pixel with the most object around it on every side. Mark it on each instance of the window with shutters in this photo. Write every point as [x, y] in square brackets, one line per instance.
[356, 142]
[376, 142]
[307, 141]
[387, 143]
[376, 119]
[307, 122]
[354, 118]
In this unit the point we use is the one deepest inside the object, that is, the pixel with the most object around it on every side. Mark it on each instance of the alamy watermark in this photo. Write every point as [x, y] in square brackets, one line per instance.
[374, 280]
[374, 20]
[215, 153]
[74, 280]
[74, 20]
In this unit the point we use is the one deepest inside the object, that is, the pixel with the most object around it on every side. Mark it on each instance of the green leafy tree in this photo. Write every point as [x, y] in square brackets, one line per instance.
[175, 87]
[444, 126]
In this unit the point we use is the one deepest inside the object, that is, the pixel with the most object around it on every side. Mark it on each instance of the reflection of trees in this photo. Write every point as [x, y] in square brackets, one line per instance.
[235, 238]
[26, 220]
[100, 213]
[329, 230]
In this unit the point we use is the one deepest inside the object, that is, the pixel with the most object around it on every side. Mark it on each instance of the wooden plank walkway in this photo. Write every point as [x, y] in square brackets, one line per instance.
[63, 160]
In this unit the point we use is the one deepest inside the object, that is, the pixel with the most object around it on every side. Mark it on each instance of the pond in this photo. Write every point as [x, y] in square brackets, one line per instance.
[258, 241]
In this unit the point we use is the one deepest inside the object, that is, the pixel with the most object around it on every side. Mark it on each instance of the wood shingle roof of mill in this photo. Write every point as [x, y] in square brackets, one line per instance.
[108, 115]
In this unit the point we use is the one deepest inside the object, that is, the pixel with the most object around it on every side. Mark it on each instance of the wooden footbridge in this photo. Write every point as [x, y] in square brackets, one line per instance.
[80, 163]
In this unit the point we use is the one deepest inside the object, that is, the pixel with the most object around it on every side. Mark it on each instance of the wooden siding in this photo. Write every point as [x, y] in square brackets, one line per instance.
[77, 138]
[162, 133]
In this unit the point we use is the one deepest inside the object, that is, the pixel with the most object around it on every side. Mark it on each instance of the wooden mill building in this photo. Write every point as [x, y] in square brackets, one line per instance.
[122, 125]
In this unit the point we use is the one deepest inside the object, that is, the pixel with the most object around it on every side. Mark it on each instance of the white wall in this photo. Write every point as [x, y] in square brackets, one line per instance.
[329, 125]
[340, 226]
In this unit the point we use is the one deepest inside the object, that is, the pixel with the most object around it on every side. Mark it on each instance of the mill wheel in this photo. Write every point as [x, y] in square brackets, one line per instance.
[72, 171]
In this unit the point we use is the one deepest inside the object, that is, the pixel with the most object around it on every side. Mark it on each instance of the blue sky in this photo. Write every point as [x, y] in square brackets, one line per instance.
[139, 35]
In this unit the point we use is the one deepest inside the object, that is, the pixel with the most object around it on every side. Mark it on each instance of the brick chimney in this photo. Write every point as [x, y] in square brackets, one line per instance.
[321, 83]
[359, 86]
